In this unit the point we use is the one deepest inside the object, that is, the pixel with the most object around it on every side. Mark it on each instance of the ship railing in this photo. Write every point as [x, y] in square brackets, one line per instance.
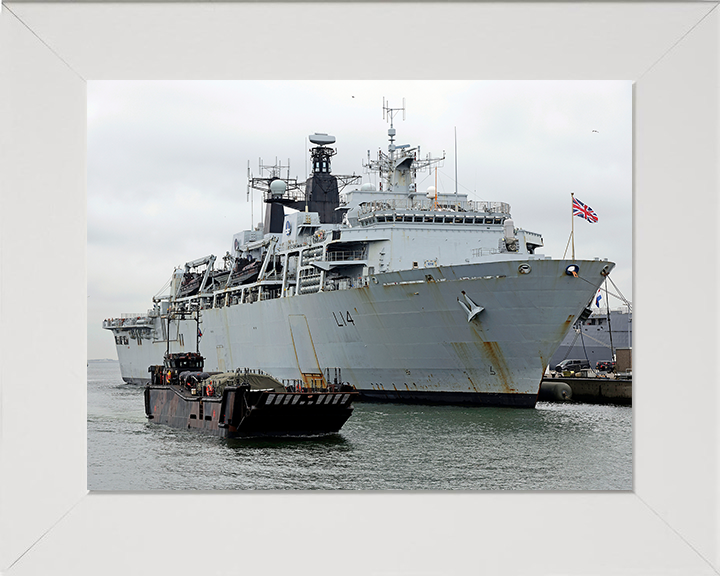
[267, 289]
[270, 294]
[247, 370]
[128, 321]
[309, 282]
[301, 242]
[296, 385]
[344, 283]
[480, 252]
[344, 255]
[429, 205]
[437, 217]
[293, 384]
[290, 195]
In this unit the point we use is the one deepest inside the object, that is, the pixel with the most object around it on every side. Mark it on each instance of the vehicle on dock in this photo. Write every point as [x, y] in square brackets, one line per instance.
[244, 402]
[607, 366]
[572, 366]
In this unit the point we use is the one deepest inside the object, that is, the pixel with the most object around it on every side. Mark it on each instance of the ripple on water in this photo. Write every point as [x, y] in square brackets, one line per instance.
[381, 447]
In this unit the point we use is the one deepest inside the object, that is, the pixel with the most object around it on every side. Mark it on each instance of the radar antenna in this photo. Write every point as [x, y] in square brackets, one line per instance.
[269, 173]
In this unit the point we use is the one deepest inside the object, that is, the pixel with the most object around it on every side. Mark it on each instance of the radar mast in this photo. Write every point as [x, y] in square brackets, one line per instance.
[398, 168]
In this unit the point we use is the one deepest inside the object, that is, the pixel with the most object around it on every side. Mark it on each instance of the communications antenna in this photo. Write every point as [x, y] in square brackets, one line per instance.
[389, 113]
[399, 159]
[275, 182]
[249, 197]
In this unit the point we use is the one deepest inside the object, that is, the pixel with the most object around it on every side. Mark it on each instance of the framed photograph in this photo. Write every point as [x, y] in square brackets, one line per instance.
[432, 282]
[49, 52]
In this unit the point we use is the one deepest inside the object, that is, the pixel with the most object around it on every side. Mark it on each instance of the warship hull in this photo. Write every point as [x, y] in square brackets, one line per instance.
[479, 334]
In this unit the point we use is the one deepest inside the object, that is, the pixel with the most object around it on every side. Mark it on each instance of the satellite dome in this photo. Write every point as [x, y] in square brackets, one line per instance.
[321, 138]
[368, 187]
[431, 192]
[277, 188]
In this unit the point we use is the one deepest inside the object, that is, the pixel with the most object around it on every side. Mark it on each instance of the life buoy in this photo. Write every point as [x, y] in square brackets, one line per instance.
[209, 390]
[167, 377]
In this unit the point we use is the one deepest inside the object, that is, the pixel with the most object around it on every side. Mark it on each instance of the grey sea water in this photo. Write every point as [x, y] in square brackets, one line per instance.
[382, 447]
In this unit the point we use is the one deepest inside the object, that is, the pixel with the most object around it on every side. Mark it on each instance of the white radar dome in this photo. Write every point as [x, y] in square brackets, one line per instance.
[277, 188]
[431, 192]
[368, 187]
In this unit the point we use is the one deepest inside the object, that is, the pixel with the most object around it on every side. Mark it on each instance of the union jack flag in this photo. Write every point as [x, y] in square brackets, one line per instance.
[584, 211]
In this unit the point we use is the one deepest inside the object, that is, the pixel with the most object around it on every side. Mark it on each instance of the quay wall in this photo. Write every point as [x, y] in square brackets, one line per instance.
[597, 390]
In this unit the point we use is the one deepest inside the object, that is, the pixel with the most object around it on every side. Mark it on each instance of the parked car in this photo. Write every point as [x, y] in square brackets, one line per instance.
[607, 366]
[572, 365]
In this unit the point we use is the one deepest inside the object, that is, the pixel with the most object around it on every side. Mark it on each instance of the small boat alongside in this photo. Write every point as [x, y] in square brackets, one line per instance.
[242, 403]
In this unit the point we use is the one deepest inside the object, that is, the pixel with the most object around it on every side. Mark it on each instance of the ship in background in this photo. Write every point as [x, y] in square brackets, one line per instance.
[597, 338]
[410, 295]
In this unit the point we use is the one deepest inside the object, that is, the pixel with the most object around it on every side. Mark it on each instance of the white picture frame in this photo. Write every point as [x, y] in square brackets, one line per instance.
[49, 523]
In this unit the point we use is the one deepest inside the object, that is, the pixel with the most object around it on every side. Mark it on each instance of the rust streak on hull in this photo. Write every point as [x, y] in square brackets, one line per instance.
[495, 355]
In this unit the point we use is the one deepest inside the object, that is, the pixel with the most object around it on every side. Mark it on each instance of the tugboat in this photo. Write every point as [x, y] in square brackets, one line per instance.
[242, 403]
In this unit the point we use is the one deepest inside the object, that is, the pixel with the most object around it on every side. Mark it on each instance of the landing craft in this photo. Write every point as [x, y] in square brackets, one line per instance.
[243, 403]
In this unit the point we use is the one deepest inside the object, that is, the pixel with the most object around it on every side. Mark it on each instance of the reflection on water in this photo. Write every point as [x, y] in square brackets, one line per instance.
[381, 447]
[280, 443]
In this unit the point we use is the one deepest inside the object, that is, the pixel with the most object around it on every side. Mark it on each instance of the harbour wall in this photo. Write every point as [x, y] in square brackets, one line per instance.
[588, 390]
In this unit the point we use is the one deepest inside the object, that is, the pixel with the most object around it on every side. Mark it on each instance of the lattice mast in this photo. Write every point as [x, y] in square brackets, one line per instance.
[398, 168]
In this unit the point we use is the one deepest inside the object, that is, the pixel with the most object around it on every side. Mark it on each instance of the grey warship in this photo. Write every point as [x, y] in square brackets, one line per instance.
[413, 296]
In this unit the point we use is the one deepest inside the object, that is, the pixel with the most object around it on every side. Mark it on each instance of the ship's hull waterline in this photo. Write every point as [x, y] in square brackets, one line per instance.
[404, 336]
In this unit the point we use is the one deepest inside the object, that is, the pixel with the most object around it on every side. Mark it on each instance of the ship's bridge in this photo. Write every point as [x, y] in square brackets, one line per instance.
[429, 211]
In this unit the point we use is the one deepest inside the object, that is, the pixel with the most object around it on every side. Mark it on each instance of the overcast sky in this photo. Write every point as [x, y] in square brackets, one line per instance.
[168, 161]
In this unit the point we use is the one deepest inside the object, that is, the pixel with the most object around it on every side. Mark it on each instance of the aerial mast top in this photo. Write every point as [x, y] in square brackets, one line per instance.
[389, 114]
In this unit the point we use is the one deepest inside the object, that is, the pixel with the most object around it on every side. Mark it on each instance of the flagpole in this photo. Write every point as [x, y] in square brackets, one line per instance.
[572, 220]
